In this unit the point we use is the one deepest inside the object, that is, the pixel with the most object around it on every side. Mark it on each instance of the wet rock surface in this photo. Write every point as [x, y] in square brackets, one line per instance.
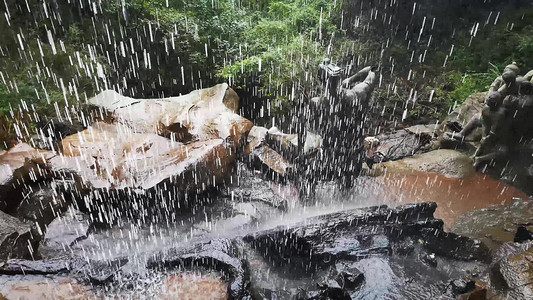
[497, 224]
[64, 232]
[356, 254]
[514, 272]
[218, 254]
[135, 169]
[457, 119]
[16, 238]
[44, 287]
[19, 165]
[287, 144]
[255, 188]
[264, 158]
[193, 286]
[450, 163]
[191, 142]
[43, 203]
[42, 267]
[400, 144]
[372, 251]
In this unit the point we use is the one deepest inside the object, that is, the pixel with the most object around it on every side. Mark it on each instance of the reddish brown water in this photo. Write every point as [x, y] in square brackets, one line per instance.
[454, 197]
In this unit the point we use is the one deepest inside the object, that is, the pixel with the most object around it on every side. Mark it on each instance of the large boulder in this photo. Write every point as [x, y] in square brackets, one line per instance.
[402, 143]
[287, 144]
[64, 232]
[263, 156]
[450, 163]
[20, 165]
[375, 252]
[218, 254]
[515, 272]
[105, 157]
[42, 204]
[199, 115]
[16, 238]
[191, 141]
[497, 224]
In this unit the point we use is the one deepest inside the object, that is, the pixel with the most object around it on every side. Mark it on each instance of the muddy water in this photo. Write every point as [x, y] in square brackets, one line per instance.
[454, 197]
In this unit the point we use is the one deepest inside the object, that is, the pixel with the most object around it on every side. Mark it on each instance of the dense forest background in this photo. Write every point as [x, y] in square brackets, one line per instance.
[431, 54]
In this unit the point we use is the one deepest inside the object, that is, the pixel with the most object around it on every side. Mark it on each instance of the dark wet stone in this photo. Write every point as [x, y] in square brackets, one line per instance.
[405, 247]
[100, 272]
[514, 273]
[454, 246]
[331, 289]
[400, 144]
[480, 294]
[16, 238]
[21, 266]
[429, 259]
[269, 294]
[522, 235]
[252, 187]
[218, 254]
[42, 205]
[65, 231]
[496, 224]
[349, 277]
[349, 235]
[462, 286]
[307, 295]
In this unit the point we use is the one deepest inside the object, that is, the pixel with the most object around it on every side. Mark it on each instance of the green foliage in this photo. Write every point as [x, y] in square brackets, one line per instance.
[475, 62]
[274, 45]
[287, 39]
[455, 87]
[510, 40]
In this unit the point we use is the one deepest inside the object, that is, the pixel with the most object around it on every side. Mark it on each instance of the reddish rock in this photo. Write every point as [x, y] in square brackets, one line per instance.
[20, 165]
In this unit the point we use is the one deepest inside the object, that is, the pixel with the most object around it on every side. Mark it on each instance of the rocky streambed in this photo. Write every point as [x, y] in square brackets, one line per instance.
[182, 198]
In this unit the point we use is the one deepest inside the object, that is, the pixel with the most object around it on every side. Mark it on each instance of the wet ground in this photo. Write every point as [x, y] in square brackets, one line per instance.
[232, 216]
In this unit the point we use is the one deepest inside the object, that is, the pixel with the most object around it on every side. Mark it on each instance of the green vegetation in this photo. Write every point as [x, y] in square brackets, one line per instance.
[269, 48]
[475, 64]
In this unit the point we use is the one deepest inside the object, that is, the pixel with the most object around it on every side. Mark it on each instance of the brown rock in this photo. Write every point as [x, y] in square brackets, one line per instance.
[231, 100]
[190, 286]
[262, 155]
[20, 165]
[271, 159]
[517, 271]
[191, 141]
[497, 224]
[256, 137]
[105, 157]
[199, 115]
[40, 288]
[450, 163]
